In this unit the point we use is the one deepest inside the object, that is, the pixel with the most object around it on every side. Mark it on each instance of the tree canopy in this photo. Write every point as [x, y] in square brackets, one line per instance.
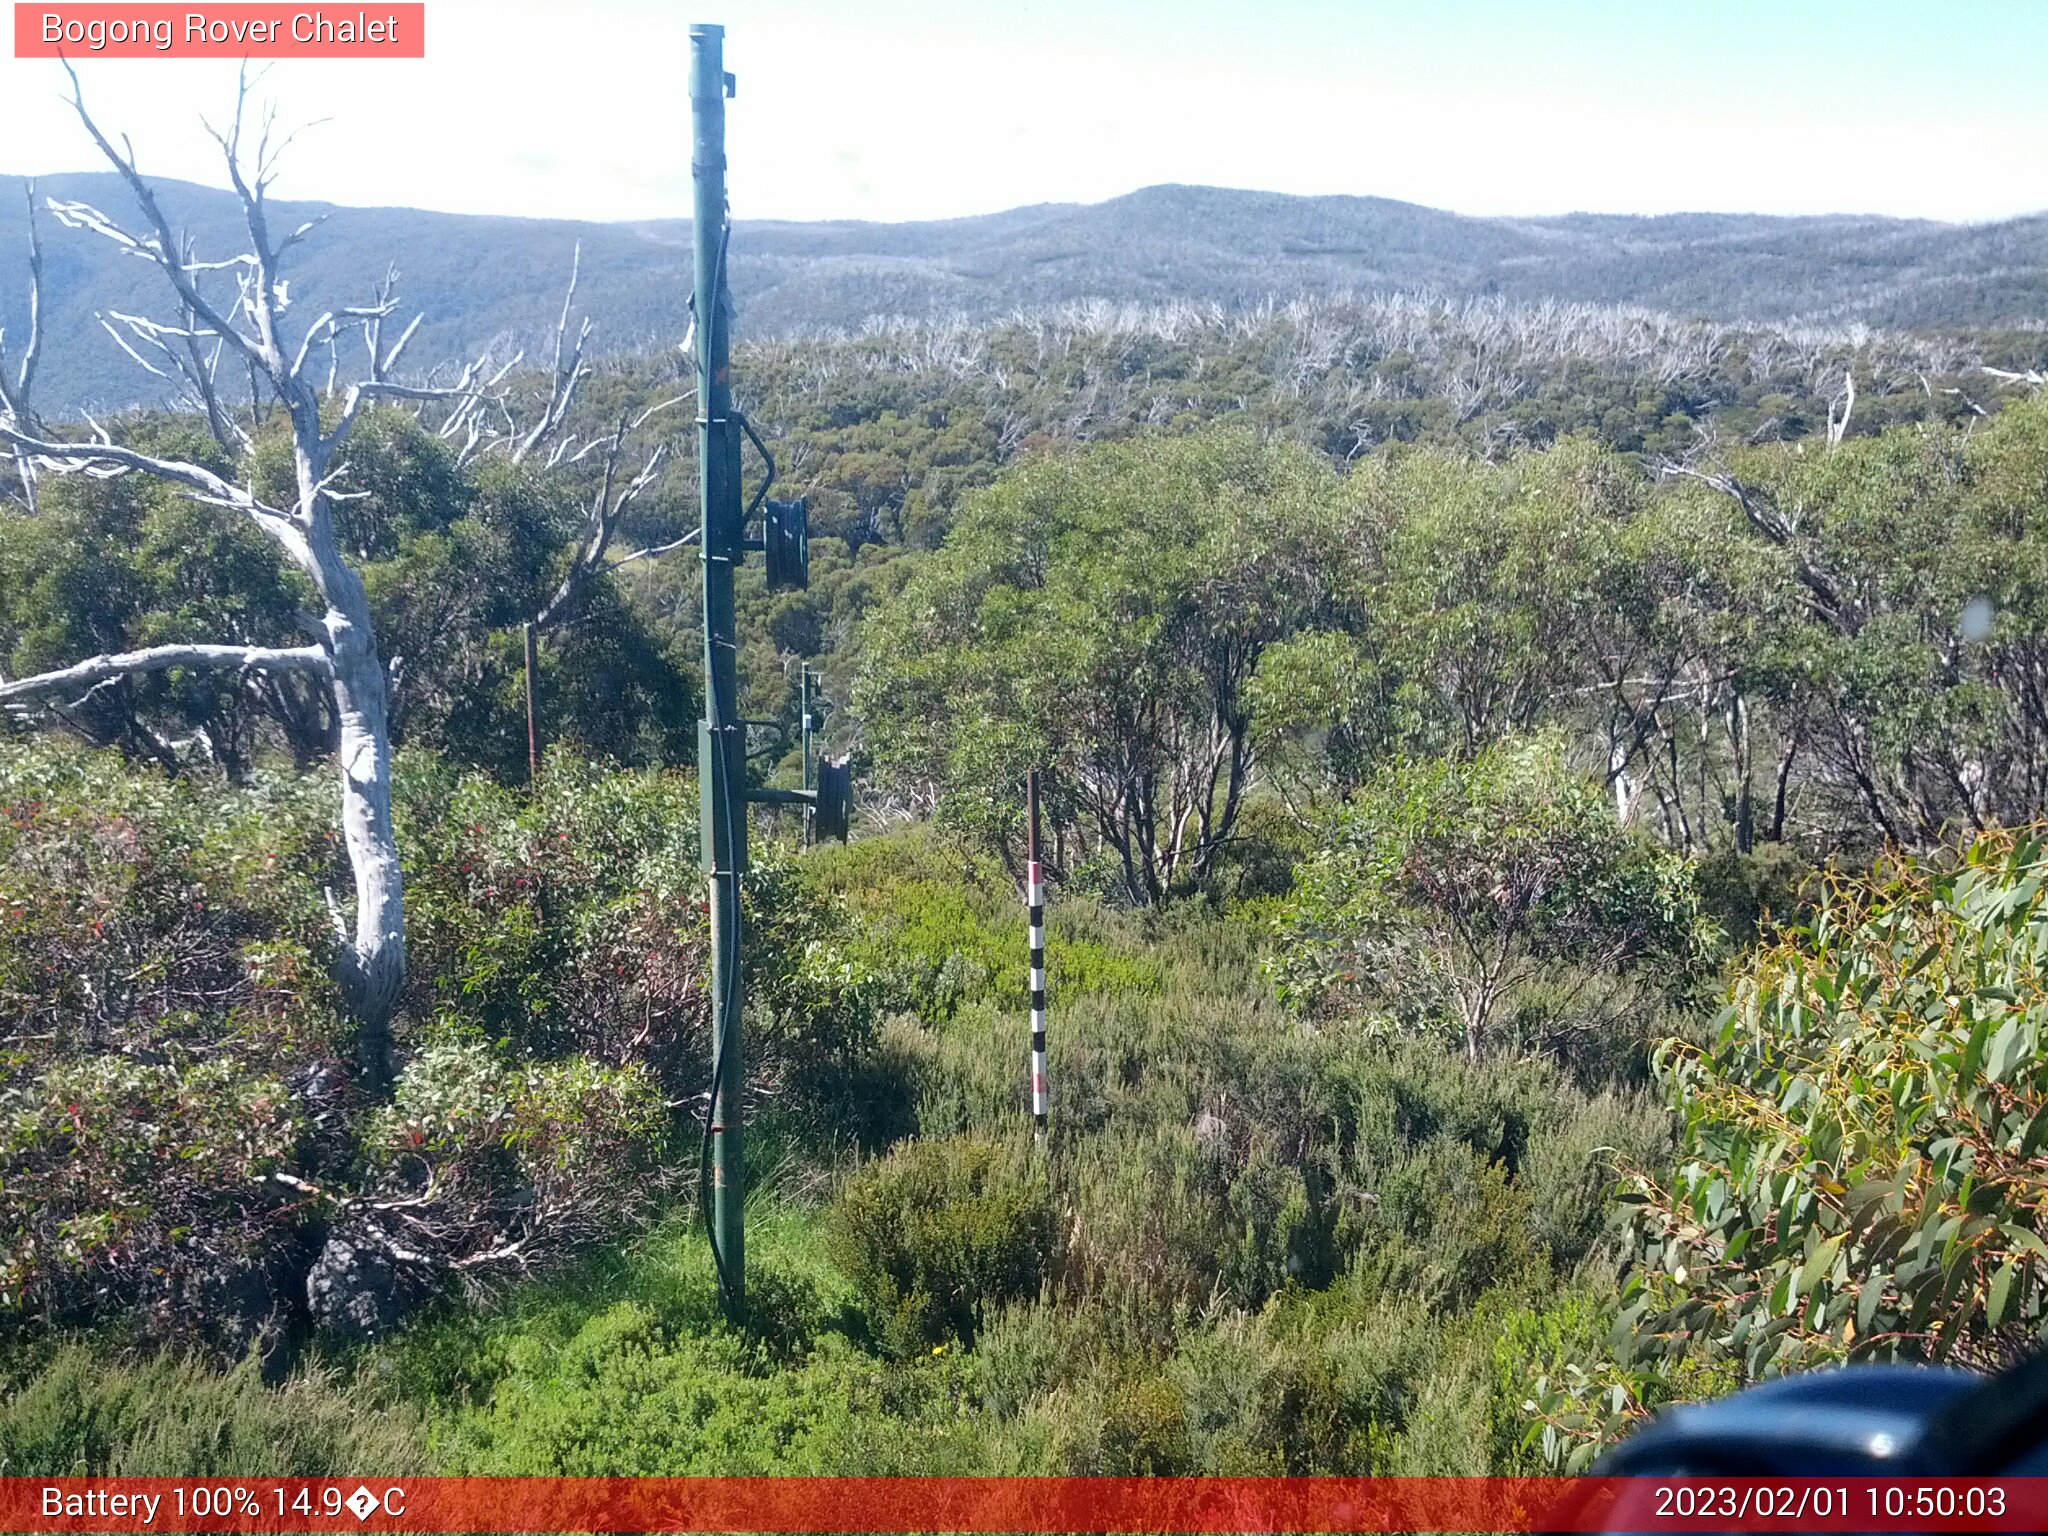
[1100, 614]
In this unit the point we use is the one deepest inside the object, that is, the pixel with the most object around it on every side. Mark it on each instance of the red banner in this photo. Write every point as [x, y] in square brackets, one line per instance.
[234, 31]
[1023, 1504]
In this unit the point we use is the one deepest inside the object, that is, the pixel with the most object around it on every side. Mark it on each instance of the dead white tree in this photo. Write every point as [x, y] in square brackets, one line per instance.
[188, 353]
[343, 650]
[543, 442]
[2033, 378]
[15, 409]
[1841, 408]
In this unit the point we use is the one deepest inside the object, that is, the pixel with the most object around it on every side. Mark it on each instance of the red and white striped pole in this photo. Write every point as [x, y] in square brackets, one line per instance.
[1034, 898]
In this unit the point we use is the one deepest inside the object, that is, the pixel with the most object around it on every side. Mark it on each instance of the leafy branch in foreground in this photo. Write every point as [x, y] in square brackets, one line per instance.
[1864, 1153]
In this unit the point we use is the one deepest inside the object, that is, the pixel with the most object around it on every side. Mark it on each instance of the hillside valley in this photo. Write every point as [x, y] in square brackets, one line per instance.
[479, 280]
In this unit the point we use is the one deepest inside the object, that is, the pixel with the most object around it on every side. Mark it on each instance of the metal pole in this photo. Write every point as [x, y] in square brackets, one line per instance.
[721, 741]
[809, 820]
[532, 716]
[1034, 897]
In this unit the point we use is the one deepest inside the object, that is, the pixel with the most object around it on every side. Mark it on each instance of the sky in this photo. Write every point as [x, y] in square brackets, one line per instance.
[919, 109]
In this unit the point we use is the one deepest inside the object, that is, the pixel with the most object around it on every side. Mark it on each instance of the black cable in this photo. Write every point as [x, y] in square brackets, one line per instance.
[728, 1020]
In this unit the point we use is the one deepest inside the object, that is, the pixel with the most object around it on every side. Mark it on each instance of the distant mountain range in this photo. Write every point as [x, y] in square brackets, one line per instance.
[482, 278]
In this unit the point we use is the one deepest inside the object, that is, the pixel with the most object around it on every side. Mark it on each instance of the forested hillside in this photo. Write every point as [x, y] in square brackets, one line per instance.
[1542, 810]
[485, 282]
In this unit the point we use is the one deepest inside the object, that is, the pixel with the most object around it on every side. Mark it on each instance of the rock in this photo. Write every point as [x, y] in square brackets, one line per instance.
[230, 1307]
[354, 1292]
[320, 1083]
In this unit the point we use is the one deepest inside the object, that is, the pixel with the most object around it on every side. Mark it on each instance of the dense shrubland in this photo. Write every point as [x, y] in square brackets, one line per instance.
[1241, 1228]
[1248, 1247]
[1443, 840]
[186, 1146]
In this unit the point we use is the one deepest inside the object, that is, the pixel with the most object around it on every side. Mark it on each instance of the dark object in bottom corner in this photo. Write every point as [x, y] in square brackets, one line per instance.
[1891, 1420]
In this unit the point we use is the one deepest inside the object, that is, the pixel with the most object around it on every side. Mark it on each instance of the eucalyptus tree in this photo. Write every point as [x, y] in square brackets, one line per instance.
[1100, 615]
[1445, 887]
[1900, 623]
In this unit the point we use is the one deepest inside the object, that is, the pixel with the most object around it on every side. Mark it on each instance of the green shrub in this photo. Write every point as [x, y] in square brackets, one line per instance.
[164, 969]
[629, 1396]
[947, 930]
[1444, 1226]
[625, 1366]
[85, 1412]
[152, 1181]
[458, 1356]
[1145, 1430]
[936, 1233]
[1167, 1226]
[1445, 886]
[572, 920]
[178, 1127]
[1745, 892]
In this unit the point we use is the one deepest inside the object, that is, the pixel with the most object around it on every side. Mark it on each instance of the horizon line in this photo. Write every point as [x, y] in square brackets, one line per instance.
[629, 220]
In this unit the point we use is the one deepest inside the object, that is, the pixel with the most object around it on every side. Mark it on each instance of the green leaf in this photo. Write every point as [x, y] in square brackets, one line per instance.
[1822, 1261]
[2009, 1047]
[2001, 1293]
[1973, 1056]
[2026, 1239]
[2037, 1129]
[1867, 1303]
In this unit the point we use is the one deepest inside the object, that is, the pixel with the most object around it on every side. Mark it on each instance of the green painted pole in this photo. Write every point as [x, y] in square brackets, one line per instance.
[808, 785]
[721, 742]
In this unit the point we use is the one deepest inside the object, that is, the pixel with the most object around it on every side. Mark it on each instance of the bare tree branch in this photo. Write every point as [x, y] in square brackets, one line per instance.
[608, 504]
[203, 483]
[161, 658]
[566, 374]
[362, 394]
[163, 247]
[1768, 519]
[656, 551]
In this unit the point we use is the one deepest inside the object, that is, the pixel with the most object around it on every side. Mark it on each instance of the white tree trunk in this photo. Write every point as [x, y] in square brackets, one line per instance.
[374, 968]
